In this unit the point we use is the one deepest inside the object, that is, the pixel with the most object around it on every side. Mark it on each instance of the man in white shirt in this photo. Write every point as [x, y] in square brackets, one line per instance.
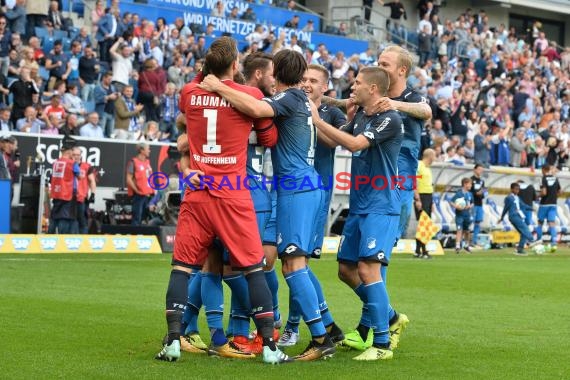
[122, 64]
[293, 44]
[92, 128]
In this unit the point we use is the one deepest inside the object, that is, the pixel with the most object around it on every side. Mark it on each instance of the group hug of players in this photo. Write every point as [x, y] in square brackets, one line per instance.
[235, 235]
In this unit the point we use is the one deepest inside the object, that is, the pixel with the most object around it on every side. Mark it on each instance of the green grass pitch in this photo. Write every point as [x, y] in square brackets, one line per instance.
[483, 316]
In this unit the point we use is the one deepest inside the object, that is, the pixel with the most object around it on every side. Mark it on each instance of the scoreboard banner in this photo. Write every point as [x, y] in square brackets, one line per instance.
[79, 244]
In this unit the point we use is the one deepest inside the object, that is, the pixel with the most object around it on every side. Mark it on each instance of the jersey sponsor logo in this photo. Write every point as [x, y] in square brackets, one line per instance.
[229, 160]
[383, 125]
[369, 135]
[279, 96]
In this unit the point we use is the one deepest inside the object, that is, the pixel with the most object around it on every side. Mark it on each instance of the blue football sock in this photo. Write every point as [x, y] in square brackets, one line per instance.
[326, 315]
[213, 298]
[240, 305]
[384, 273]
[476, 229]
[361, 293]
[273, 283]
[194, 303]
[304, 294]
[553, 235]
[294, 318]
[539, 231]
[218, 337]
[378, 306]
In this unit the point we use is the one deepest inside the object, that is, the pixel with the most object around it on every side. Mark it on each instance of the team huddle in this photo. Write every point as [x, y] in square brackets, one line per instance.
[235, 235]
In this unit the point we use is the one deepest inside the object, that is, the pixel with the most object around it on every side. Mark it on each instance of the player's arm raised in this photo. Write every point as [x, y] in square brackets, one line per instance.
[243, 102]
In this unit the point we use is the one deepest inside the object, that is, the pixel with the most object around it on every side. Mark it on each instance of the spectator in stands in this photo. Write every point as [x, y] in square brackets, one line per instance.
[36, 13]
[234, 13]
[30, 122]
[218, 10]
[424, 43]
[16, 17]
[342, 29]
[518, 146]
[126, 115]
[14, 64]
[70, 127]
[178, 72]
[83, 38]
[5, 123]
[393, 24]
[184, 31]
[151, 132]
[483, 145]
[55, 107]
[169, 110]
[98, 12]
[53, 125]
[122, 64]
[56, 17]
[293, 23]
[199, 50]
[73, 103]
[257, 36]
[22, 91]
[367, 4]
[5, 41]
[88, 72]
[152, 82]
[249, 15]
[106, 34]
[104, 96]
[92, 129]
[57, 62]
[294, 44]
[309, 27]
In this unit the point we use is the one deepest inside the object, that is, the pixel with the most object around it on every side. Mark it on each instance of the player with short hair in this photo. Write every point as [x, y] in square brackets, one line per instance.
[217, 134]
[463, 214]
[375, 140]
[315, 83]
[515, 208]
[478, 191]
[298, 195]
[547, 210]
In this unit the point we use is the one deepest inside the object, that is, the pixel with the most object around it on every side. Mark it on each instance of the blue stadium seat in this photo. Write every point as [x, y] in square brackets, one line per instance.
[60, 34]
[40, 32]
[44, 74]
[47, 44]
[90, 106]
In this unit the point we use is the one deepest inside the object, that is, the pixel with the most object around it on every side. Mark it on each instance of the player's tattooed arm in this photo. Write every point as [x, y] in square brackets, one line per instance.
[419, 110]
[339, 103]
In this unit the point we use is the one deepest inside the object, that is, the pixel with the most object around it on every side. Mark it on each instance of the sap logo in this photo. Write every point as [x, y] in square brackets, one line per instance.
[144, 244]
[21, 244]
[96, 244]
[120, 244]
[73, 244]
[48, 244]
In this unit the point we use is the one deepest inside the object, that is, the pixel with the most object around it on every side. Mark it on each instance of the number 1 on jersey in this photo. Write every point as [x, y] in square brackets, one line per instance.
[211, 129]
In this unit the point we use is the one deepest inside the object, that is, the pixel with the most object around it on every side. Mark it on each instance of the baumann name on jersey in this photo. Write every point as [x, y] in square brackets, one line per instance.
[209, 101]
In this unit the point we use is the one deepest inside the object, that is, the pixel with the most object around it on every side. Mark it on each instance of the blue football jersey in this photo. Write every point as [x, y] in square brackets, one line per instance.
[324, 156]
[378, 163]
[468, 196]
[294, 155]
[409, 154]
[254, 169]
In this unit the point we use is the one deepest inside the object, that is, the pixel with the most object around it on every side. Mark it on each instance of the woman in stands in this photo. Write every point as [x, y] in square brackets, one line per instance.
[152, 81]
